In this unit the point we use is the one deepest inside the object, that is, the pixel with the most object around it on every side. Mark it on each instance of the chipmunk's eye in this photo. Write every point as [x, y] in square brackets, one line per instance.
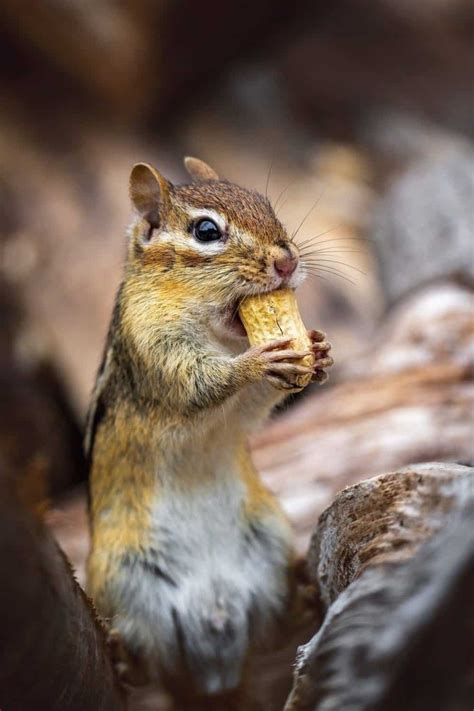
[206, 230]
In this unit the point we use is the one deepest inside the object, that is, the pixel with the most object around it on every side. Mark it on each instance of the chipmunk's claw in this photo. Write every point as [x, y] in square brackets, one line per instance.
[279, 363]
[319, 376]
[320, 348]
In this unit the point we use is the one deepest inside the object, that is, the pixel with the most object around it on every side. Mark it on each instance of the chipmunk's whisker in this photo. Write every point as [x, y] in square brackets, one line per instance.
[341, 248]
[314, 237]
[316, 272]
[307, 214]
[292, 182]
[312, 240]
[268, 179]
[280, 207]
[316, 261]
[310, 252]
[326, 268]
[319, 265]
[338, 250]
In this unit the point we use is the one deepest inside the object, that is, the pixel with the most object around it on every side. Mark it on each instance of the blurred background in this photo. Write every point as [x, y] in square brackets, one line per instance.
[357, 115]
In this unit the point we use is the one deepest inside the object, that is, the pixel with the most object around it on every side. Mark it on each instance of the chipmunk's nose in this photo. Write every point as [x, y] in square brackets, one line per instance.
[286, 264]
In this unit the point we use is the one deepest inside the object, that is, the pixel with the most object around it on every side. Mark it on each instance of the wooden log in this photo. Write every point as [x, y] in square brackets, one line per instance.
[53, 653]
[393, 558]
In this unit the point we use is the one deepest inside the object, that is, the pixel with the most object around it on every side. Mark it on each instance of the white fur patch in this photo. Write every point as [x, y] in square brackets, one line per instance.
[215, 582]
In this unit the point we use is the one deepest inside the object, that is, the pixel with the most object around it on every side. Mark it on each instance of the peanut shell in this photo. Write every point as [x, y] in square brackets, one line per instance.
[275, 315]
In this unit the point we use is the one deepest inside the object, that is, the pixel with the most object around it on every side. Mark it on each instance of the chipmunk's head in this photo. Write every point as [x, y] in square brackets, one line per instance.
[211, 241]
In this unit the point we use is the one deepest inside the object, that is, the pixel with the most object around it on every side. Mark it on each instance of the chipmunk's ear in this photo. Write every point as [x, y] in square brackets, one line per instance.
[198, 170]
[149, 192]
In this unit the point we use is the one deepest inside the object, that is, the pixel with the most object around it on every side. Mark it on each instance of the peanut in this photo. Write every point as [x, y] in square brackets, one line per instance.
[267, 317]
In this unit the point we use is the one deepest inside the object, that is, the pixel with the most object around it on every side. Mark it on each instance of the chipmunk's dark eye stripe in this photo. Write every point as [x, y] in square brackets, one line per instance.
[205, 230]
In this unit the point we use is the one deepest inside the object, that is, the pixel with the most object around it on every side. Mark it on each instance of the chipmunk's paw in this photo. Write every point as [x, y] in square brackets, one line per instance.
[276, 363]
[320, 348]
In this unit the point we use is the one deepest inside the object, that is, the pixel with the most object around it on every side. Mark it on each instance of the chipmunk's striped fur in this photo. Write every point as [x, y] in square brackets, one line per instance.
[191, 556]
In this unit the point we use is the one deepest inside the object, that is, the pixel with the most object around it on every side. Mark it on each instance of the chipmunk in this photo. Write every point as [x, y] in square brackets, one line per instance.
[192, 561]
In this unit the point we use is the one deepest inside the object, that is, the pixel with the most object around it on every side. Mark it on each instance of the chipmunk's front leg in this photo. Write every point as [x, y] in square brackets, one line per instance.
[198, 379]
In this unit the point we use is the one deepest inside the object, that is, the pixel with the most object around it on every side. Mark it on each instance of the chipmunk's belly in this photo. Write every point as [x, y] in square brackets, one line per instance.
[211, 582]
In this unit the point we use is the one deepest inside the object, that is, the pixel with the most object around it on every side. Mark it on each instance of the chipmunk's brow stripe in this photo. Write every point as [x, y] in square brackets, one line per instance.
[168, 258]
[163, 255]
[195, 259]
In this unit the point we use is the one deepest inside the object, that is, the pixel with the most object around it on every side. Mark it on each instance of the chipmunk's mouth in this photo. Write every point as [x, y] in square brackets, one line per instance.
[230, 319]
[227, 324]
[233, 323]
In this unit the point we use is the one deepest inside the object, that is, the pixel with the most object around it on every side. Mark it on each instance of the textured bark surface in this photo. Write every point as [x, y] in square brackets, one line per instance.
[53, 653]
[383, 520]
[393, 558]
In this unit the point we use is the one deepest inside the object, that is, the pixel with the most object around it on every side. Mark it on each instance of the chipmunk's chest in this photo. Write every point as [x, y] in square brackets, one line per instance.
[199, 493]
[204, 540]
[201, 523]
[202, 526]
[208, 493]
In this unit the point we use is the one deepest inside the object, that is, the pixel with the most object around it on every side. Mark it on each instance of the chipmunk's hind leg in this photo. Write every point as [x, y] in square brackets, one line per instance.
[212, 636]
[127, 668]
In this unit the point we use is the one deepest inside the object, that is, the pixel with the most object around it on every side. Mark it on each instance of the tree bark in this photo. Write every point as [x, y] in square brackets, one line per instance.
[393, 558]
[53, 653]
